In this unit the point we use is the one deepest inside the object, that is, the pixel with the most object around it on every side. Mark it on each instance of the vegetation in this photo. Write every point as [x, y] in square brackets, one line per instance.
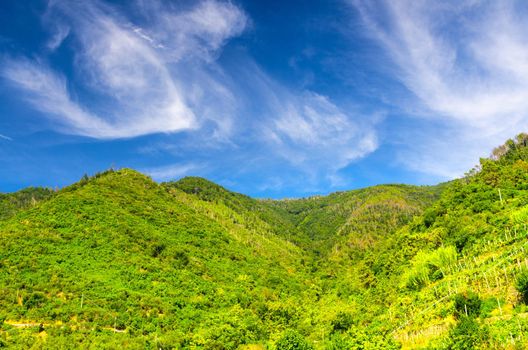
[11, 203]
[119, 261]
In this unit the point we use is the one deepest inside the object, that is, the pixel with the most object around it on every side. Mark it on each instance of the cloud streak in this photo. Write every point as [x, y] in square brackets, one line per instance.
[4, 137]
[305, 128]
[156, 69]
[465, 62]
[312, 130]
[173, 171]
[133, 74]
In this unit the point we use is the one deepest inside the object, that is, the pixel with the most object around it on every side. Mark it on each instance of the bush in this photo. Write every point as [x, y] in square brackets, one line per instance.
[35, 300]
[521, 284]
[427, 266]
[467, 335]
[342, 322]
[520, 216]
[359, 339]
[467, 304]
[441, 259]
[487, 307]
[181, 260]
[429, 217]
[292, 340]
[158, 249]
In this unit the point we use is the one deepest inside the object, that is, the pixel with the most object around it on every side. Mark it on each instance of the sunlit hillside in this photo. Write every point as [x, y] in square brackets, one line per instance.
[117, 260]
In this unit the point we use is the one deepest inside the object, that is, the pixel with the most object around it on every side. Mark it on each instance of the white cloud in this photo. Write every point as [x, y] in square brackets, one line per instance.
[290, 136]
[172, 172]
[5, 137]
[311, 128]
[159, 74]
[195, 33]
[60, 33]
[306, 128]
[47, 91]
[465, 61]
[132, 71]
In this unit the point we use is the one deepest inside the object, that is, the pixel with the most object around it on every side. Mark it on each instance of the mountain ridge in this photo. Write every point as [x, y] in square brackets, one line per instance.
[120, 261]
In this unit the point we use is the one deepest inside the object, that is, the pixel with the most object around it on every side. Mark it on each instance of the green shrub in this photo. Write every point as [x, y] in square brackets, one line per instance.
[467, 335]
[520, 216]
[36, 299]
[427, 266]
[418, 274]
[467, 304]
[487, 306]
[181, 260]
[440, 260]
[292, 340]
[359, 339]
[342, 322]
[521, 284]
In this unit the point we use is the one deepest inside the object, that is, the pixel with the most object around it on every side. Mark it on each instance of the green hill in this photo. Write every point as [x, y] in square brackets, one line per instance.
[121, 253]
[355, 218]
[119, 261]
[11, 203]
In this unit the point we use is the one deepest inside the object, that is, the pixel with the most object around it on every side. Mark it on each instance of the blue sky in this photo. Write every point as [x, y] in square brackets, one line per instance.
[268, 98]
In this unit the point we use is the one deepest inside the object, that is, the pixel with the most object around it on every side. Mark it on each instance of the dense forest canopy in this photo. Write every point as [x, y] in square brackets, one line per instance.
[120, 261]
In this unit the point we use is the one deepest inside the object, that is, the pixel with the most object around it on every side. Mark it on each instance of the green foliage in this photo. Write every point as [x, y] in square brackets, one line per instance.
[429, 266]
[520, 216]
[467, 305]
[118, 250]
[292, 340]
[467, 335]
[119, 261]
[342, 322]
[361, 340]
[418, 274]
[11, 203]
[354, 220]
[521, 284]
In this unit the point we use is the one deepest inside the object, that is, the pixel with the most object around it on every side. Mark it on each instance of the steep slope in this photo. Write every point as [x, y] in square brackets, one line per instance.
[118, 261]
[119, 253]
[339, 226]
[240, 214]
[344, 222]
[454, 278]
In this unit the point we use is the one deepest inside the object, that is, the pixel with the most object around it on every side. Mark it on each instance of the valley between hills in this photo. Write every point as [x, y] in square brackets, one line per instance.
[118, 261]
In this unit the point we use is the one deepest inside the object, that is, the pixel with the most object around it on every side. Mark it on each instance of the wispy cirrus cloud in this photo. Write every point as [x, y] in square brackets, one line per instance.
[59, 33]
[135, 76]
[196, 33]
[47, 91]
[314, 132]
[305, 128]
[465, 62]
[4, 137]
[156, 69]
[172, 171]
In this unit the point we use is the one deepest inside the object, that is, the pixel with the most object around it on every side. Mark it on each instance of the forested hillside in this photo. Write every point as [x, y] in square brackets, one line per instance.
[10, 203]
[120, 261]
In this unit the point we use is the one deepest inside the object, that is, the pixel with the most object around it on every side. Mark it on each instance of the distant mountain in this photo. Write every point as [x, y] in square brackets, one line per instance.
[119, 261]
